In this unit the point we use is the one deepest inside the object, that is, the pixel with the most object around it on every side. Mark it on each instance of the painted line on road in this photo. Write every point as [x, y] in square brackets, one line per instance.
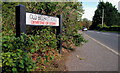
[97, 32]
[105, 33]
[103, 45]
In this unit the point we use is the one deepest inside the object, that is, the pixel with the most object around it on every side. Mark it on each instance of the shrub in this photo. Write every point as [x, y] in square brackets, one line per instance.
[78, 39]
[32, 50]
[18, 52]
[15, 55]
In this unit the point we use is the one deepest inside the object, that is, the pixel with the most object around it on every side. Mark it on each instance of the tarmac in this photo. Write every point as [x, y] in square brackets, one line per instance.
[92, 57]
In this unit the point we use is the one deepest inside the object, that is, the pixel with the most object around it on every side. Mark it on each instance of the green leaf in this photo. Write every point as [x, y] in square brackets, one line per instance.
[7, 63]
[22, 39]
[11, 61]
[14, 64]
[21, 61]
[14, 69]
[26, 59]
[44, 50]
[52, 57]
[46, 57]
[18, 54]
[5, 45]
[20, 65]
[32, 50]
[37, 46]
[19, 50]
[30, 66]
[28, 69]
[39, 57]
[45, 62]
[8, 55]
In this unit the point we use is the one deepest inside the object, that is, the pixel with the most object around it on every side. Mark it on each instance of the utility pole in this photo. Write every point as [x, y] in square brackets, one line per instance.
[102, 14]
[102, 17]
[100, 0]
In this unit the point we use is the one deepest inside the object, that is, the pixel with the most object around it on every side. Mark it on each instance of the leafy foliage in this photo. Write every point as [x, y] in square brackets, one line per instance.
[32, 51]
[14, 55]
[77, 39]
[86, 23]
[20, 59]
[111, 15]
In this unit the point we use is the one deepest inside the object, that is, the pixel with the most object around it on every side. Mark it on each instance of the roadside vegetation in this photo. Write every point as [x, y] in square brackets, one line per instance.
[86, 23]
[111, 21]
[37, 50]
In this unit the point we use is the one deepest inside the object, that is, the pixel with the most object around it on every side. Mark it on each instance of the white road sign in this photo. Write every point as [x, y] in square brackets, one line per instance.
[37, 19]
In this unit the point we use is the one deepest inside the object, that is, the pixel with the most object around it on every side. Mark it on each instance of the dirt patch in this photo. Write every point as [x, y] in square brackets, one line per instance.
[59, 62]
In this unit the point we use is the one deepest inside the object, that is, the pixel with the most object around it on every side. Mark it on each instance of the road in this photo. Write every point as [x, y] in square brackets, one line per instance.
[95, 57]
[106, 38]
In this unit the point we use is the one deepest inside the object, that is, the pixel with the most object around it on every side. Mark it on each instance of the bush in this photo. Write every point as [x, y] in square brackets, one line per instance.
[15, 55]
[18, 52]
[17, 61]
[78, 39]
[69, 11]
[36, 49]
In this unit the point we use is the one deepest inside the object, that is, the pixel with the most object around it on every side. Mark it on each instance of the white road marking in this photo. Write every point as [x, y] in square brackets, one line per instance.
[98, 32]
[103, 45]
[105, 33]
[117, 35]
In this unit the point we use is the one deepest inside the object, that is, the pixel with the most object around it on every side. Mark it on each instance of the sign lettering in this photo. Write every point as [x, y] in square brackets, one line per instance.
[37, 19]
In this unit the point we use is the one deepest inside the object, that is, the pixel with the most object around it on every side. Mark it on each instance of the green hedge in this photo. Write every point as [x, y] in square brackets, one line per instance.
[18, 53]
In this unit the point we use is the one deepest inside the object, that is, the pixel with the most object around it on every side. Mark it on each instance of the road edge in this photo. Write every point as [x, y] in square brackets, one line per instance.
[103, 45]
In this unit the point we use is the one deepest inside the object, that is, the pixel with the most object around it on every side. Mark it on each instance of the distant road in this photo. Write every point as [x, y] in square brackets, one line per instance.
[106, 38]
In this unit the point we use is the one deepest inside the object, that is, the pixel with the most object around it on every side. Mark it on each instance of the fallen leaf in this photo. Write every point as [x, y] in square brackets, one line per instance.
[79, 57]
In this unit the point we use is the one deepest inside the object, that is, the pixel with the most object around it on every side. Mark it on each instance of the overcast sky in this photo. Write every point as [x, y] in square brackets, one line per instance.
[91, 5]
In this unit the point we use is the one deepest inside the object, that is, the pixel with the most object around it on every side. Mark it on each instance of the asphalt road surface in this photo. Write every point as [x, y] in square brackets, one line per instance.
[106, 38]
[93, 56]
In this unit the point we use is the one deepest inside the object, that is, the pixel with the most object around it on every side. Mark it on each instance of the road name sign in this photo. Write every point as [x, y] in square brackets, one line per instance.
[24, 18]
[37, 19]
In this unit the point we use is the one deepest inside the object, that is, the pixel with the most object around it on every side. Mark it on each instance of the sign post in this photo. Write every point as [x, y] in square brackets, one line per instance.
[20, 20]
[59, 31]
[24, 18]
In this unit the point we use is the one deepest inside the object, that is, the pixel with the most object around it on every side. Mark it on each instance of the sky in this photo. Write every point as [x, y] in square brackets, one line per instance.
[91, 5]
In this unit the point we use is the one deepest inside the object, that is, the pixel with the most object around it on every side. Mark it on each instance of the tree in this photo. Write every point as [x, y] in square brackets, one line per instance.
[86, 22]
[111, 15]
